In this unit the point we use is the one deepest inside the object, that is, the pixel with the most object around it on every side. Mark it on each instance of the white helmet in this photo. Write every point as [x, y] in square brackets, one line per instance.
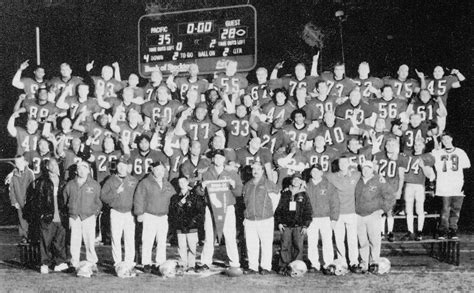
[125, 270]
[296, 269]
[384, 266]
[84, 269]
[171, 269]
[341, 267]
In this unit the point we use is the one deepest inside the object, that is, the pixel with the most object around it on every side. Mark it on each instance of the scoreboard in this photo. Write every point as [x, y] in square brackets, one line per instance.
[208, 37]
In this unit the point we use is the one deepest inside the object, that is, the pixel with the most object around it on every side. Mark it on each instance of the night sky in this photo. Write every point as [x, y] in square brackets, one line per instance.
[385, 33]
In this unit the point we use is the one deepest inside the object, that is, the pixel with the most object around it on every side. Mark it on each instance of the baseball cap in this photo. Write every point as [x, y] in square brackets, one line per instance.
[368, 164]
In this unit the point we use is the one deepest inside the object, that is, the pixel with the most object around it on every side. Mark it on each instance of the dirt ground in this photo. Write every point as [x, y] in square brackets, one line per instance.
[412, 270]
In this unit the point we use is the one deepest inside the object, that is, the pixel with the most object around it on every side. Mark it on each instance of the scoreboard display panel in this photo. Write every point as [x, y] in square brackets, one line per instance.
[208, 37]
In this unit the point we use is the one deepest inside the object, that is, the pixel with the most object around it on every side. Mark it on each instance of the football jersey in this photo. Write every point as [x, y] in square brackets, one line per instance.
[402, 89]
[69, 160]
[337, 88]
[410, 135]
[246, 158]
[271, 138]
[111, 86]
[105, 164]
[237, 130]
[230, 84]
[361, 112]
[388, 167]
[300, 136]
[283, 173]
[328, 105]
[68, 137]
[123, 115]
[414, 173]
[190, 170]
[39, 112]
[98, 133]
[324, 158]
[176, 160]
[274, 112]
[357, 159]
[260, 93]
[151, 92]
[25, 141]
[441, 87]
[141, 163]
[291, 83]
[449, 166]
[201, 131]
[59, 85]
[131, 134]
[337, 135]
[313, 112]
[427, 111]
[76, 107]
[364, 85]
[389, 110]
[184, 84]
[35, 160]
[31, 86]
[168, 112]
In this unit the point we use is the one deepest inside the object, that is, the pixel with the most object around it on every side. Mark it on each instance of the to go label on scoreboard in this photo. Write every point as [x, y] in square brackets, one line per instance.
[207, 37]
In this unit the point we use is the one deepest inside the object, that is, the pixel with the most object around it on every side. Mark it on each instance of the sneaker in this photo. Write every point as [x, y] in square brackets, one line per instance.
[452, 234]
[202, 268]
[147, 269]
[282, 271]
[314, 269]
[382, 236]
[442, 235]
[329, 270]
[418, 236]
[264, 272]
[409, 236]
[356, 269]
[390, 237]
[374, 268]
[61, 267]
[24, 240]
[250, 272]
[44, 269]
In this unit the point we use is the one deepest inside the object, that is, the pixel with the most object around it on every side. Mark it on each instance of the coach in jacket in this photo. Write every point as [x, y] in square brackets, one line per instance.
[82, 195]
[261, 198]
[293, 217]
[52, 217]
[118, 193]
[151, 205]
[373, 198]
[325, 205]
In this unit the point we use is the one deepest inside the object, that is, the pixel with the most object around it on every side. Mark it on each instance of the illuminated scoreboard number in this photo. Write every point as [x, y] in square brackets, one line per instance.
[207, 37]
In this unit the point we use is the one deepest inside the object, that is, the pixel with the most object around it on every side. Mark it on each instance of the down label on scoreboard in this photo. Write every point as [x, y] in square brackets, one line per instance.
[208, 37]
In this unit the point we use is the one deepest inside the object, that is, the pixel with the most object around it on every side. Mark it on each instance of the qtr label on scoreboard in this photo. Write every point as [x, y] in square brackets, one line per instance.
[208, 37]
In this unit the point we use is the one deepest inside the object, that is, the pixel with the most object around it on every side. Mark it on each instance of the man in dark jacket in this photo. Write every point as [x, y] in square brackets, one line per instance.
[186, 212]
[293, 217]
[373, 197]
[325, 204]
[118, 193]
[52, 212]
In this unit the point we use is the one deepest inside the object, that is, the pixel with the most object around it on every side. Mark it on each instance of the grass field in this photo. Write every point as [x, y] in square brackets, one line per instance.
[412, 270]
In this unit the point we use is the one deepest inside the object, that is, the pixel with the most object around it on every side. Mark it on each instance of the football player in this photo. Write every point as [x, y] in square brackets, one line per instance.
[231, 82]
[279, 107]
[390, 108]
[260, 92]
[184, 84]
[321, 154]
[402, 86]
[163, 107]
[369, 86]
[339, 86]
[106, 80]
[28, 84]
[67, 82]
[26, 139]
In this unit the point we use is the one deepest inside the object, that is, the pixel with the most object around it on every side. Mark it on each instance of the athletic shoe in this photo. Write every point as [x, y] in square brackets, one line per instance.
[442, 235]
[329, 270]
[418, 236]
[408, 237]
[264, 272]
[452, 235]
[147, 269]
[313, 269]
[374, 268]
[282, 271]
[250, 272]
[356, 269]
[382, 236]
[202, 268]
[44, 269]
[24, 240]
[390, 237]
[61, 267]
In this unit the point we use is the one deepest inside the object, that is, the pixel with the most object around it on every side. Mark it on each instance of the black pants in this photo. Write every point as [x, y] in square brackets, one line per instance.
[52, 243]
[291, 245]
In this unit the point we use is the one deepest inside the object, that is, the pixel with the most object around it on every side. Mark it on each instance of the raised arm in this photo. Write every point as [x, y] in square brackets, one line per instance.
[277, 67]
[11, 124]
[16, 82]
[314, 66]
[117, 75]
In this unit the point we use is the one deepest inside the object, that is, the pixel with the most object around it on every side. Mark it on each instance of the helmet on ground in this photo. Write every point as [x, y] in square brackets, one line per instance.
[296, 269]
[234, 272]
[341, 267]
[171, 269]
[125, 270]
[384, 266]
